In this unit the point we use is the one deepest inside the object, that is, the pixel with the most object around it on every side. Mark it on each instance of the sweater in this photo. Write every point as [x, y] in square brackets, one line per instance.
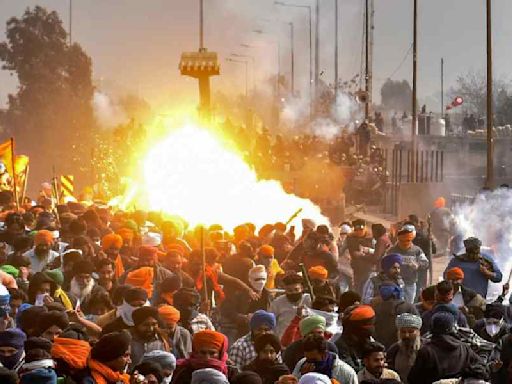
[412, 255]
[285, 311]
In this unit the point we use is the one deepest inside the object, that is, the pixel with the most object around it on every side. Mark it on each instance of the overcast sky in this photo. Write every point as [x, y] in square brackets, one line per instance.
[135, 45]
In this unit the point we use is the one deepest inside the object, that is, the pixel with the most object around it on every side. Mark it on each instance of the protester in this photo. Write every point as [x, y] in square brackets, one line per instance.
[146, 335]
[266, 364]
[310, 325]
[109, 359]
[358, 330]
[493, 326]
[209, 350]
[478, 268]
[285, 307]
[413, 260]
[179, 338]
[374, 358]
[12, 354]
[444, 356]
[402, 355]
[391, 266]
[386, 312]
[133, 298]
[361, 253]
[319, 360]
[444, 297]
[243, 351]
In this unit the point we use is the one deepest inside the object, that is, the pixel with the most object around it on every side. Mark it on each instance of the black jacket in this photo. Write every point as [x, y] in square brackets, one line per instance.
[445, 357]
[269, 372]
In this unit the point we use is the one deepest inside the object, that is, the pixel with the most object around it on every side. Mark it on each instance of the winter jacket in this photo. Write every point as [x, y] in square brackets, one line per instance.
[473, 278]
[445, 357]
[341, 371]
[385, 315]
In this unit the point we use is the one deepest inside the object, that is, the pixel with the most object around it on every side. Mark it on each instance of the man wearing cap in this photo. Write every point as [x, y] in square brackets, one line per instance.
[359, 245]
[242, 351]
[146, 335]
[285, 306]
[402, 355]
[386, 311]
[358, 329]
[179, 337]
[310, 325]
[444, 356]
[391, 266]
[413, 260]
[12, 354]
[479, 268]
[109, 359]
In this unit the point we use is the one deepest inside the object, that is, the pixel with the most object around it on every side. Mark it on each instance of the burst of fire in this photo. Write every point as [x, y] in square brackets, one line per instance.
[196, 175]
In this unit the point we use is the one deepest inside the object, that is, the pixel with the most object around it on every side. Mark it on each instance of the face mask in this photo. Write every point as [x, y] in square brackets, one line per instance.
[294, 297]
[258, 284]
[10, 362]
[492, 329]
[167, 380]
[39, 302]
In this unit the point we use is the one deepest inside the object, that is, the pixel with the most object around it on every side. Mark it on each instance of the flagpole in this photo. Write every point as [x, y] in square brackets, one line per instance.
[15, 186]
[25, 182]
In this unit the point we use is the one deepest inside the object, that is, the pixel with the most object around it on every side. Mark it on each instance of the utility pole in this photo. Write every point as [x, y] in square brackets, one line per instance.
[442, 87]
[414, 77]
[336, 36]
[489, 183]
[70, 22]
[367, 60]
[201, 25]
[317, 45]
[292, 52]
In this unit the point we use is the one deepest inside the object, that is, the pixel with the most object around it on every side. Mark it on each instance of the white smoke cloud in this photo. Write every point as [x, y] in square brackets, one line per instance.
[344, 108]
[108, 112]
[489, 218]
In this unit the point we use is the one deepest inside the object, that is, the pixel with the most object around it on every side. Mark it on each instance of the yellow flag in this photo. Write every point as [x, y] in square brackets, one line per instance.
[6, 154]
[20, 164]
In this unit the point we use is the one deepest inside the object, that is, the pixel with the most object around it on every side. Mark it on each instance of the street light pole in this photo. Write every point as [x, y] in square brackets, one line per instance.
[201, 25]
[253, 64]
[336, 32]
[310, 11]
[367, 61]
[317, 45]
[414, 75]
[489, 183]
[292, 52]
[70, 22]
[442, 87]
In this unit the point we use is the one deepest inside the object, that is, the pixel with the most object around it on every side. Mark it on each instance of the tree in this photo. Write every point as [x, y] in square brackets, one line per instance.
[472, 87]
[51, 114]
[396, 95]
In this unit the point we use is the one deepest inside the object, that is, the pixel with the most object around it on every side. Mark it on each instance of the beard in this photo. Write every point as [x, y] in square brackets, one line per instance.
[410, 345]
[79, 292]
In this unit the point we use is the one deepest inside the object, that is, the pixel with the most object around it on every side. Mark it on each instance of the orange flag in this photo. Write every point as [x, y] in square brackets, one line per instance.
[6, 154]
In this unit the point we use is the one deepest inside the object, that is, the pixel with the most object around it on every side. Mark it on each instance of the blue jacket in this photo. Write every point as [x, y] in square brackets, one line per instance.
[473, 278]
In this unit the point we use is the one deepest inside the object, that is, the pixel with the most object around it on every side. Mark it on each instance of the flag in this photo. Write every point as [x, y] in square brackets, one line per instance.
[21, 168]
[6, 151]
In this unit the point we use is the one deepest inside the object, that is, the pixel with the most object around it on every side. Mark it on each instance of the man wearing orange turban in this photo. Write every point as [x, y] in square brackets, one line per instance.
[209, 350]
[142, 278]
[442, 219]
[180, 338]
[111, 245]
[463, 296]
[42, 254]
[413, 259]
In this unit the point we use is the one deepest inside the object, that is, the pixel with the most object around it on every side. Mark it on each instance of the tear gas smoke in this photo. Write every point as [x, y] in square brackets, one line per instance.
[489, 218]
[107, 112]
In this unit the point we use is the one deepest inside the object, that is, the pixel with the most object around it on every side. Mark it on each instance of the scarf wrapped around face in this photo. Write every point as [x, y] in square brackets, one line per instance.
[405, 239]
[325, 366]
[196, 362]
[104, 375]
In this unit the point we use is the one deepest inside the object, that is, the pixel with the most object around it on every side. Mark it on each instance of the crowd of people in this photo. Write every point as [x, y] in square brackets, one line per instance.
[93, 296]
